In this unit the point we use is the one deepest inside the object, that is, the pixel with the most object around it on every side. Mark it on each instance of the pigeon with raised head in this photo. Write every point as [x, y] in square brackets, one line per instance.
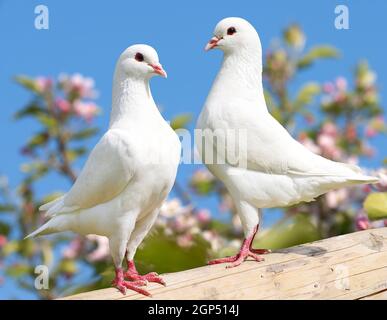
[128, 174]
[267, 167]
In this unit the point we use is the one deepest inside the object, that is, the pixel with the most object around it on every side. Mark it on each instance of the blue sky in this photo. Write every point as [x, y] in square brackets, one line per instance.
[88, 36]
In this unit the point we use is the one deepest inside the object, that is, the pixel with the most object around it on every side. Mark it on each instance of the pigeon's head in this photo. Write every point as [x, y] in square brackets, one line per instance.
[140, 61]
[232, 34]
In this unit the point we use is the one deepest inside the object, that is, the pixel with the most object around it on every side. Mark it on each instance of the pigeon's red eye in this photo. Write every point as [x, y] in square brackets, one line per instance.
[231, 31]
[139, 57]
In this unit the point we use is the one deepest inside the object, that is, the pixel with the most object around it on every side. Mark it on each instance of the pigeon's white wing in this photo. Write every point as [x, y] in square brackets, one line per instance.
[267, 147]
[106, 173]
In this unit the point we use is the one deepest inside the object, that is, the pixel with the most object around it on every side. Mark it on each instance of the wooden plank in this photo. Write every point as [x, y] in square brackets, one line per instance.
[377, 296]
[352, 266]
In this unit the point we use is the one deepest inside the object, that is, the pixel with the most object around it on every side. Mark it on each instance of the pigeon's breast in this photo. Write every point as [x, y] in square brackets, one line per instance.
[158, 159]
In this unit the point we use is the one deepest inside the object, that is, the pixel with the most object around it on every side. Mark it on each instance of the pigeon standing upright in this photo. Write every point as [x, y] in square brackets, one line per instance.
[128, 174]
[271, 168]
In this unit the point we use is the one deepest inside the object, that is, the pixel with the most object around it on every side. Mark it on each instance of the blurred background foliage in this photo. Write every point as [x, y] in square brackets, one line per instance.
[337, 119]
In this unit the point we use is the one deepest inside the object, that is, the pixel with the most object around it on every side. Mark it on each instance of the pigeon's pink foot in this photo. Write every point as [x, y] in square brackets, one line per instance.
[245, 252]
[132, 274]
[122, 285]
[260, 251]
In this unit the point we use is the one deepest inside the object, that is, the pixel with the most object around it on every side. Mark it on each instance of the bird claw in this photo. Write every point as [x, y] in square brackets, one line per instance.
[240, 257]
[149, 277]
[123, 285]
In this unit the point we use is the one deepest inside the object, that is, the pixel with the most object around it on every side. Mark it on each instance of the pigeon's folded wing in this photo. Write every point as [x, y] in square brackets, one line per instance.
[269, 148]
[106, 173]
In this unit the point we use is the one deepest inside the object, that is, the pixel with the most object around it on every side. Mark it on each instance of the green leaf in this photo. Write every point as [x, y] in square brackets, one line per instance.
[181, 121]
[306, 94]
[294, 36]
[4, 228]
[6, 208]
[11, 247]
[47, 121]
[27, 247]
[18, 270]
[84, 134]
[75, 153]
[30, 110]
[376, 205]
[68, 266]
[204, 187]
[319, 52]
[27, 83]
[290, 232]
[38, 139]
[158, 250]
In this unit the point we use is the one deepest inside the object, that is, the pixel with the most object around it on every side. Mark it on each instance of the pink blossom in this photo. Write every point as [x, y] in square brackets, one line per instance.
[336, 197]
[330, 129]
[73, 249]
[82, 86]
[102, 251]
[213, 239]
[236, 222]
[309, 119]
[309, 144]
[328, 87]
[366, 188]
[341, 84]
[86, 110]
[63, 105]
[203, 216]
[368, 150]
[382, 184]
[202, 175]
[370, 132]
[172, 208]
[185, 240]
[362, 222]
[43, 84]
[3, 240]
[328, 146]
[226, 204]
[351, 133]
[339, 97]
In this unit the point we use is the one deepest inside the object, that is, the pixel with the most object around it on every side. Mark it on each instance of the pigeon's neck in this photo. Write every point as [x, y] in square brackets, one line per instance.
[131, 99]
[241, 72]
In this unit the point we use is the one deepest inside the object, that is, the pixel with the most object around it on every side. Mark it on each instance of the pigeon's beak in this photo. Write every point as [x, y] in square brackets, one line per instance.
[158, 69]
[212, 43]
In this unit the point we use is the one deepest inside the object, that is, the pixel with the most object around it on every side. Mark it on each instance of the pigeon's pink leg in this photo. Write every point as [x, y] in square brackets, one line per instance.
[245, 252]
[121, 284]
[132, 274]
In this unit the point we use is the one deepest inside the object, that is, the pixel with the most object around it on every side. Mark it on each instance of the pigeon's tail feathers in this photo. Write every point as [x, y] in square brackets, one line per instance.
[56, 224]
[58, 206]
[357, 176]
[362, 179]
[44, 229]
[47, 206]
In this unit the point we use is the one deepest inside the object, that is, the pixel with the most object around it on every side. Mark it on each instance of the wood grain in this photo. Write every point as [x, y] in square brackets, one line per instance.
[352, 266]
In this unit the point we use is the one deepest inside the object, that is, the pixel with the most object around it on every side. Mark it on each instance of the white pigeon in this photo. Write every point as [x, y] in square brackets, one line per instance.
[273, 169]
[128, 174]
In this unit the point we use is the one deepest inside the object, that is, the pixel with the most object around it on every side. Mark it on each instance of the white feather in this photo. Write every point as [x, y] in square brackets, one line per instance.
[273, 170]
[130, 171]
